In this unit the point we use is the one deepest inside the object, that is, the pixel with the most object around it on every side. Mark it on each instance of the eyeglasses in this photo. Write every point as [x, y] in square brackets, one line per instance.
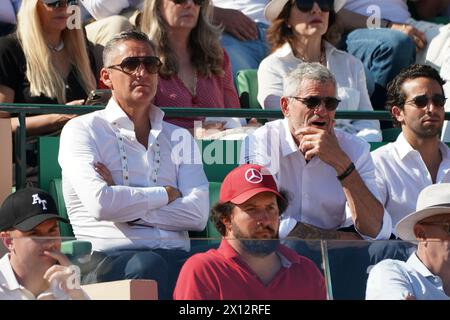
[445, 224]
[423, 100]
[307, 5]
[130, 65]
[196, 2]
[312, 102]
[59, 3]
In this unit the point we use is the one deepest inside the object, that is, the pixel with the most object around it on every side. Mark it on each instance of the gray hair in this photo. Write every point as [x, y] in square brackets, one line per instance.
[306, 71]
[121, 37]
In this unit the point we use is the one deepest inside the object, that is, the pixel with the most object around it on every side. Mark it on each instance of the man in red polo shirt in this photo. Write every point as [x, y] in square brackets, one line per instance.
[250, 262]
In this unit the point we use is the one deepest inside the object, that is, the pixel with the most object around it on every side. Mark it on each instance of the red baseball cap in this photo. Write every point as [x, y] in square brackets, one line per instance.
[246, 181]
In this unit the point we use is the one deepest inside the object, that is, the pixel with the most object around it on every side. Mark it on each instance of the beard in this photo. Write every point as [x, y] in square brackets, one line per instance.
[257, 247]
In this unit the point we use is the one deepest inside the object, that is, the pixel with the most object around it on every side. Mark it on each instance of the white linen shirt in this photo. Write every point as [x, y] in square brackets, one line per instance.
[396, 279]
[316, 196]
[11, 289]
[401, 174]
[99, 213]
[350, 81]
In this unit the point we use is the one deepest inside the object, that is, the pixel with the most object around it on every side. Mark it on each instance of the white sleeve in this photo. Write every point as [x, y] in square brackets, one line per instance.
[270, 85]
[191, 211]
[388, 281]
[365, 167]
[77, 154]
[104, 8]
[369, 130]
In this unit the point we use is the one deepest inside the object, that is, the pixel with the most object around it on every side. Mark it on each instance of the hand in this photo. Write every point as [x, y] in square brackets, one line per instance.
[173, 193]
[253, 122]
[417, 36]
[236, 23]
[208, 128]
[103, 171]
[75, 103]
[322, 143]
[64, 276]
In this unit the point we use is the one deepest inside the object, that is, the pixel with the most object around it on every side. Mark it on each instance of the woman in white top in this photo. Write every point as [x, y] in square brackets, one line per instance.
[297, 35]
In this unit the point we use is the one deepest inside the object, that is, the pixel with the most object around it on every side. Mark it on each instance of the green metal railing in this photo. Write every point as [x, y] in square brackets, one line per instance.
[21, 110]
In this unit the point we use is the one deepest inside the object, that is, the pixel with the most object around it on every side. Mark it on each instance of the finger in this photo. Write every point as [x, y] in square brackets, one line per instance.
[54, 272]
[235, 33]
[58, 256]
[308, 130]
[310, 154]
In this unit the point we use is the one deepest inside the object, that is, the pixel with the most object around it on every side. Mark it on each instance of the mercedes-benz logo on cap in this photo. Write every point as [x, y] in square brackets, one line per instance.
[253, 176]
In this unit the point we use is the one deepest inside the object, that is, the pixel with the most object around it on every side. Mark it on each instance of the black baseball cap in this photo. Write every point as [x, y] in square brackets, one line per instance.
[26, 208]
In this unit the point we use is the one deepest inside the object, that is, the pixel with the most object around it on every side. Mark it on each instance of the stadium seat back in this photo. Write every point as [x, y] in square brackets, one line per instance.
[247, 88]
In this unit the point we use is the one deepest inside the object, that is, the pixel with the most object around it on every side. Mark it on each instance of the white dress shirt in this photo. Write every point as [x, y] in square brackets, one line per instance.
[11, 289]
[316, 196]
[401, 174]
[99, 213]
[105, 8]
[396, 279]
[350, 81]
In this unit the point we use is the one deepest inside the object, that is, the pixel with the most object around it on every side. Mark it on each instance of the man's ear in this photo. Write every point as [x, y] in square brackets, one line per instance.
[105, 77]
[7, 240]
[397, 113]
[284, 105]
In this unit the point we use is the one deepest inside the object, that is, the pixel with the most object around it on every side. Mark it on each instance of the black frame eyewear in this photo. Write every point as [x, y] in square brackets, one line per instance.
[130, 65]
[312, 102]
[58, 3]
[307, 5]
[196, 2]
[422, 101]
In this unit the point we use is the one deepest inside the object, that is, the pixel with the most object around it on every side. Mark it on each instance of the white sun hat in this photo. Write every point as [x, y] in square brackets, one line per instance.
[274, 7]
[432, 200]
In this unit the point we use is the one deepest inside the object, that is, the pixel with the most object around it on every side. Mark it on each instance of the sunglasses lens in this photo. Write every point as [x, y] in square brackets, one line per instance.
[199, 2]
[307, 5]
[152, 64]
[130, 65]
[421, 101]
[312, 102]
[331, 103]
[438, 100]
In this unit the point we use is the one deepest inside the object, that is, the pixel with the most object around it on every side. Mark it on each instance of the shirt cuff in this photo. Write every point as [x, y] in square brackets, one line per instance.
[385, 231]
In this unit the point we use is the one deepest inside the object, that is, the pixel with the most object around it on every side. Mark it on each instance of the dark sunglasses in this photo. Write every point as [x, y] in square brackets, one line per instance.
[423, 100]
[196, 2]
[307, 5]
[443, 224]
[130, 65]
[59, 3]
[312, 102]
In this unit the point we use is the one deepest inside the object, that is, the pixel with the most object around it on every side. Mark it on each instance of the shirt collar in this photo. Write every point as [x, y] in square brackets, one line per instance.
[418, 265]
[8, 279]
[115, 114]
[404, 148]
[288, 144]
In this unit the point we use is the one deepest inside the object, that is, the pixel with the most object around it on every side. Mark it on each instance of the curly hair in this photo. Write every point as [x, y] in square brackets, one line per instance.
[279, 33]
[396, 97]
[223, 210]
[208, 55]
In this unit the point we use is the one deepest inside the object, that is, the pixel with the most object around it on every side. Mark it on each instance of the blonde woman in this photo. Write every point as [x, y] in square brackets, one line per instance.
[45, 62]
[196, 71]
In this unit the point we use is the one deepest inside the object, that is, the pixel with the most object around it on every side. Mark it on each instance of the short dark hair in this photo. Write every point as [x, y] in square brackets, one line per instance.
[122, 37]
[223, 210]
[396, 96]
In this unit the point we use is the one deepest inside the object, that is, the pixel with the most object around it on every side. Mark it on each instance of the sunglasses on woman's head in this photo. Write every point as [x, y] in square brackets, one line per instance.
[196, 2]
[59, 3]
[423, 100]
[307, 5]
[130, 65]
